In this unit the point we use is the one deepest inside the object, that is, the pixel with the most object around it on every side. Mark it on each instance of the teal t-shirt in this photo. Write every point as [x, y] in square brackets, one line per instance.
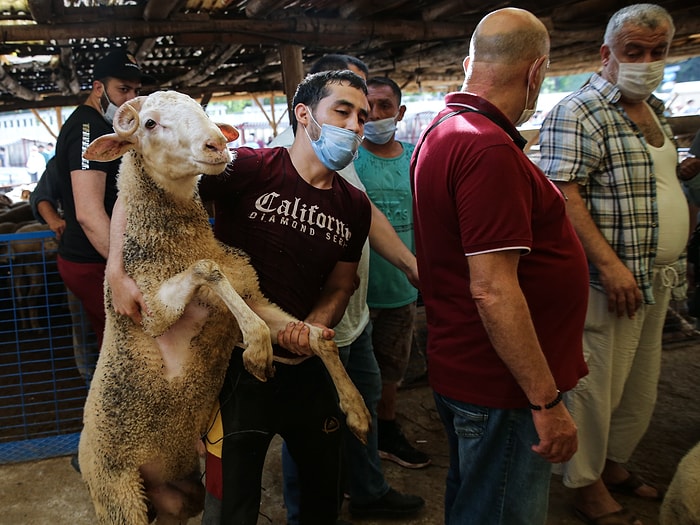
[388, 186]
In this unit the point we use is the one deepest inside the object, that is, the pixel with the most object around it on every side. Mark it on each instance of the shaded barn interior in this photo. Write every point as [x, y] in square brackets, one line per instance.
[223, 48]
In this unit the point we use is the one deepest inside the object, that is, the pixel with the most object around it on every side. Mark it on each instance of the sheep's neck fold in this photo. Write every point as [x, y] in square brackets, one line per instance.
[179, 189]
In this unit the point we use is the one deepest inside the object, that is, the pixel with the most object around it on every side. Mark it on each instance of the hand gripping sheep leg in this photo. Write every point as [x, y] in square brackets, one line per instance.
[156, 383]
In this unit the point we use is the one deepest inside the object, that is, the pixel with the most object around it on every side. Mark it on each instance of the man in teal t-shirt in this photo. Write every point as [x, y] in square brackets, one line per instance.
[383, 166]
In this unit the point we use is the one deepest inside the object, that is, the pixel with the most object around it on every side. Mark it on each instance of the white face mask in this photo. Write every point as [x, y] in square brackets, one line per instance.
[380, 131]
[637, 80]
[527, 113]
[108, 108]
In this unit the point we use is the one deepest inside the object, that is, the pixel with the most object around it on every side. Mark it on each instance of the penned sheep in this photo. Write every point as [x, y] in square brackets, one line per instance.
[681, 505]
[155, 384]
[30, 280]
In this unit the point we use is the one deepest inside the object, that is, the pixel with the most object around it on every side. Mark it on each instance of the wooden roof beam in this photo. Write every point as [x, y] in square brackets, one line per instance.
[208, 67]
[65, 76]
[320, 28]
[365, 8]
[144, 49]
[14, 88]
[447, 8]
[262, 8]
[161, 9]
[40, 10]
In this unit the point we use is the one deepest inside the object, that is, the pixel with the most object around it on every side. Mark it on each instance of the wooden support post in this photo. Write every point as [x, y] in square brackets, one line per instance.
[44, 123]
[292, 71]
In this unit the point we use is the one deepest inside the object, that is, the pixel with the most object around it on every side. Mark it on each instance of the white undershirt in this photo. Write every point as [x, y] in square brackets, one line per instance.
[671, 203]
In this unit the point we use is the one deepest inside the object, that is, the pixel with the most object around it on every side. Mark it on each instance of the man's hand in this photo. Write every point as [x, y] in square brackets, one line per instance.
[295, 337]
[557, 432]
[624, 295]
[58, 226]
[127, 299]
[689, 168]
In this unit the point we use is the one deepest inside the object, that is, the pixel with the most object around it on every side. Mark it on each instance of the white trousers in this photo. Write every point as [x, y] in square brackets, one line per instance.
[613, 404]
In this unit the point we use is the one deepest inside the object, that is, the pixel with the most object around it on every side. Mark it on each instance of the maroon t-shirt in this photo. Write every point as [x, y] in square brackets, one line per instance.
[294, 233]
[476, 192]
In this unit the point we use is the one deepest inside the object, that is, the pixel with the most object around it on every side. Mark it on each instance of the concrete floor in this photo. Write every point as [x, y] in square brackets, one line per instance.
[50, 492]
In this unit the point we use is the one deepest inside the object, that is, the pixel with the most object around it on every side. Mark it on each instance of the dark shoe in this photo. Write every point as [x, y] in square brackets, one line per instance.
[75, 463]
[394, 446]
[392, 505]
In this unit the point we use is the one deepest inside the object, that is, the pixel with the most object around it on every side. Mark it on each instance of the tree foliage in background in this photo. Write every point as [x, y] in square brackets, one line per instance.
[237, 105]
[565, 83]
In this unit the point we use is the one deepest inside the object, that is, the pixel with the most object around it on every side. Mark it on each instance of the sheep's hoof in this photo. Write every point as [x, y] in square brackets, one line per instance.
[358, 421]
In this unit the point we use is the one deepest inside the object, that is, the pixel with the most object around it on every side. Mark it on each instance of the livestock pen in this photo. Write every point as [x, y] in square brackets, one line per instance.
[41, 391]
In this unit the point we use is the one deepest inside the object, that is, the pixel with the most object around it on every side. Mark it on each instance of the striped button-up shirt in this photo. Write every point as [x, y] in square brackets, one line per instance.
[588, 138]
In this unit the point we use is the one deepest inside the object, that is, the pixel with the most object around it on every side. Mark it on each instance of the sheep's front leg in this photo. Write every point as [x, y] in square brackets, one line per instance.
[351, 403]
[173, 295]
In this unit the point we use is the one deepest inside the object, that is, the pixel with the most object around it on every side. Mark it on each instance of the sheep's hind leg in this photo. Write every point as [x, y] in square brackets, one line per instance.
[174, 294]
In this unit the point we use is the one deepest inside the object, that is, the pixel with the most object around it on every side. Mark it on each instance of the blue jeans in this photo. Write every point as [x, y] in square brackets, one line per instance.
[494, 477]
[366, 479]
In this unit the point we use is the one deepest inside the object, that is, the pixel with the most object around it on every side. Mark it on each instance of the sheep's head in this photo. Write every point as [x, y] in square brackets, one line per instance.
[172, 133]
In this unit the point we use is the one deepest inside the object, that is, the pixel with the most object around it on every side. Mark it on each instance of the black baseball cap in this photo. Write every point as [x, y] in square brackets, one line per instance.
[122, 65]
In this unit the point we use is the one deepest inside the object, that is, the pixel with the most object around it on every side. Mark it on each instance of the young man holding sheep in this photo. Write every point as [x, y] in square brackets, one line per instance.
[304, 228]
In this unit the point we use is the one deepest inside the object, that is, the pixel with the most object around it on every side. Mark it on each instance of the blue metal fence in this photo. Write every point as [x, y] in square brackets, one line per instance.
[41, 392]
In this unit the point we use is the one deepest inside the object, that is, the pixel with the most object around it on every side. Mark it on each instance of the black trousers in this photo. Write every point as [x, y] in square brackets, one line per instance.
[300, 404]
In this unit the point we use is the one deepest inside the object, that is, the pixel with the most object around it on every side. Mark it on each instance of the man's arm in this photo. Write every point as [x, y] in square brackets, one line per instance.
[126, 297]
[88, 194]
[624, 295]
[506, 318]
[385, 241]
[327, 312]
[44, 201]
[50, 216]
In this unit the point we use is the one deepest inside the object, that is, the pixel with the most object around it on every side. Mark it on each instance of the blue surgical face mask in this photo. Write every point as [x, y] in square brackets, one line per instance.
[335, 147]
[380, 131]
[108, 108]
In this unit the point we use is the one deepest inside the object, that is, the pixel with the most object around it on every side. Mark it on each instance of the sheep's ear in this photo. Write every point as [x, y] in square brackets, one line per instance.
[229, 131]
[107, 147]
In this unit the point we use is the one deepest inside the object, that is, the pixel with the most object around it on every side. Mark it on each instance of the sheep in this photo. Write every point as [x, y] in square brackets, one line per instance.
[681, 504]
[18, 212]
[156, 383]
[29, 262]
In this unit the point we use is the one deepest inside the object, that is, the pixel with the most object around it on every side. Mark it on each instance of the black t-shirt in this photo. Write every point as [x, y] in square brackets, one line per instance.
[83, 126]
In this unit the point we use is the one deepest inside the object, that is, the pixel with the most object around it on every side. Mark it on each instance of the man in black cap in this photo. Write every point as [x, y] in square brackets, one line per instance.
[87, 190]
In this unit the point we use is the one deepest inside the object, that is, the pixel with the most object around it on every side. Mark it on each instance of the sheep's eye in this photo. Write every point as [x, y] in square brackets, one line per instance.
[150, 123]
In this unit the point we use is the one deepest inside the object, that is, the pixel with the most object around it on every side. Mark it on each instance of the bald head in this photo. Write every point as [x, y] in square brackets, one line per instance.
[508, 59]
[509, 36]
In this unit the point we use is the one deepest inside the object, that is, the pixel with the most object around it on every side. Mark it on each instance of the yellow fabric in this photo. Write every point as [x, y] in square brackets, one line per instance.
[215, 435]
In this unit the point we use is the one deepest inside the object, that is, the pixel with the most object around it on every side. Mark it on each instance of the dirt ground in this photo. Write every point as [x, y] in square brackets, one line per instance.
[50, 492]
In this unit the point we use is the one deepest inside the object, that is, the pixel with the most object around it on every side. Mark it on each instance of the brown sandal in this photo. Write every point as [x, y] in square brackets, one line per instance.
[629, 487]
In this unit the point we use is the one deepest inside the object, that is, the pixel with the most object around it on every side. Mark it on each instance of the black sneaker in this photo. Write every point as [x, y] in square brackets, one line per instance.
[392, 505]
[394, 446]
